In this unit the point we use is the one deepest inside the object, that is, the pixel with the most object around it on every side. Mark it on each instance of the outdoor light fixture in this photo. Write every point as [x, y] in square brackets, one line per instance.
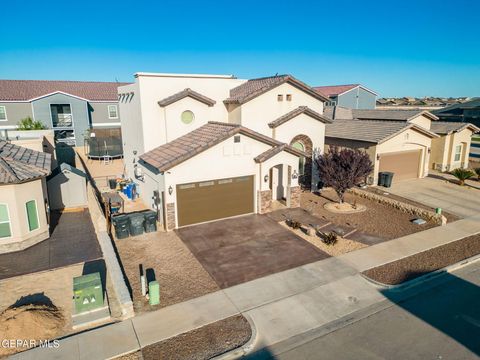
[378, 156]
[170, 190]
[429, 150]
[295, 174]
[265, 178]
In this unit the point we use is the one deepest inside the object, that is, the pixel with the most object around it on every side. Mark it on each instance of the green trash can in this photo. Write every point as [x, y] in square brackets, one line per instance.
[121, 224]
[136, 224]
[388, 179]
[150, 221]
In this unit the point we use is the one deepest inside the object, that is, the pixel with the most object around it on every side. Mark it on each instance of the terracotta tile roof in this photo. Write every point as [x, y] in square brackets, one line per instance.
[334, 90]
[370, 131]
[300, 110]
[256, 87]
[19, 164]
[275, 150]
[24, 90]
[187, 146]
[186, 93]
[443, 128]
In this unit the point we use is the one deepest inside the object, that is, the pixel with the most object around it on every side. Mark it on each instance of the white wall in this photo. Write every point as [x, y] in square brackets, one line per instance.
[258, 112]
[422, 121]
[302, 124]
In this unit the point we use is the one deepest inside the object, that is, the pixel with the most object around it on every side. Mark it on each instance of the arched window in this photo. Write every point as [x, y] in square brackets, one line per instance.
[301, 162]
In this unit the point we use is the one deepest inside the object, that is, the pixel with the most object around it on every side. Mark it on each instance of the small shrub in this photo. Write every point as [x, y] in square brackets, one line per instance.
[462, 175]
[293, 224]
[329, 238]
[477, 171]
[29, 124]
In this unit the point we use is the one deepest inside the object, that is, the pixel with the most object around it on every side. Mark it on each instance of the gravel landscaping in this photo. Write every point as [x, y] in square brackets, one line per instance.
[424, 262]
[199, 344]
[342, 245]
[180, 275]
[380, 220]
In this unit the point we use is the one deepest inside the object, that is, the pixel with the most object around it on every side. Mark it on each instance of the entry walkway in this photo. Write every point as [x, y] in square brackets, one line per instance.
[280, 306]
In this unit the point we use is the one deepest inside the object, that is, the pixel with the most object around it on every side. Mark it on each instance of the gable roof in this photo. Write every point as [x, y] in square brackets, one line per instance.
[470, 104]
[256, 87]
[26, 90]
[186, 93]
[295, 112]
[391, 114]
[187, 146]
[67, 167]
[19, 164]
[335, 90]
[371, 131]
[446, 128]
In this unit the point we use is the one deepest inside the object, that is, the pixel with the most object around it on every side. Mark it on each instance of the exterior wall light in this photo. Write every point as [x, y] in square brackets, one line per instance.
[429, 150]
[170, 190]
[295, 174]
[265, 178]
[378, 156]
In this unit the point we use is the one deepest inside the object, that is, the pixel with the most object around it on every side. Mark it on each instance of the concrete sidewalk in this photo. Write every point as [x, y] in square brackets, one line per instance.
[280, 306]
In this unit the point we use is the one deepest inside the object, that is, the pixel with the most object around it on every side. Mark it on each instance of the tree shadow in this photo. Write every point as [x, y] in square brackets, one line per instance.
[33, 299]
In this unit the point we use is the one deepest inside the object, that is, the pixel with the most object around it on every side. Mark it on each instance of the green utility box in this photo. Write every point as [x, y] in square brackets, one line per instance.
[153, 293]
[87, 292]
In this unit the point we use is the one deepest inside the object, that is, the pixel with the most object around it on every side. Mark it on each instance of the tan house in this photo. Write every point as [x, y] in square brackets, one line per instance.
[451, 150]
[23, 197]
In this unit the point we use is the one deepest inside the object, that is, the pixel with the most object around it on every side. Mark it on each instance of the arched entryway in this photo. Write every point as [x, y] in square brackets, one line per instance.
[304, 143]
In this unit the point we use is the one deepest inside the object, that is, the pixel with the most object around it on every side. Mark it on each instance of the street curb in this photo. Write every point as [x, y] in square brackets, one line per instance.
[424, 278]
[246, 348]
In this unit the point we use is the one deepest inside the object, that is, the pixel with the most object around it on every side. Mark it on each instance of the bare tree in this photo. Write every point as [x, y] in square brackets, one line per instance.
[343, 169]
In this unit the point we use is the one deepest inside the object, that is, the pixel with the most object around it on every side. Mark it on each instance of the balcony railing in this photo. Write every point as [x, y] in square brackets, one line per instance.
[62, 120]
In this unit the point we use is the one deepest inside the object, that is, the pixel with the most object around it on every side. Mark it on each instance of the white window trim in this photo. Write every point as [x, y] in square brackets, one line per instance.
[9, 222]
[71, 114]
[116, 112]
[458, 153]
[36, 211]
[5, 111]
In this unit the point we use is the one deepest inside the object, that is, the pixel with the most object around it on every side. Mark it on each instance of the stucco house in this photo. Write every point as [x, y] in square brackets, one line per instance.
[70, 108]
[351, 96]
[399, 141]
[23, 197]
[206, 147]
[451, 150]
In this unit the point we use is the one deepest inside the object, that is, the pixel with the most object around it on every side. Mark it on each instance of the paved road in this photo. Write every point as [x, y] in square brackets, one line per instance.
[440, 323]
[435, 192]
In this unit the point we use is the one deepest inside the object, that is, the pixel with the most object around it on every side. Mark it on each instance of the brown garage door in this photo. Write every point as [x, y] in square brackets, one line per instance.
[214, 199]
[405, 164]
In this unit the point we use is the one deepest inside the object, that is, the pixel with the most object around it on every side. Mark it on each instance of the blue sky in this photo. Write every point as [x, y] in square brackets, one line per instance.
[413, 48]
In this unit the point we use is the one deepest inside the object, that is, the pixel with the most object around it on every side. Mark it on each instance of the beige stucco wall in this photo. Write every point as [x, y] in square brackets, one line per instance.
[16, 196]
[301, 124]
[443, 151]
[422, 121]
[406, 141]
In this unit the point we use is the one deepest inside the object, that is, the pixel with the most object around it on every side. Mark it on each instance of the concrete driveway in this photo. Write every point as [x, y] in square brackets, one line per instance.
[437, 192]
[245, 248]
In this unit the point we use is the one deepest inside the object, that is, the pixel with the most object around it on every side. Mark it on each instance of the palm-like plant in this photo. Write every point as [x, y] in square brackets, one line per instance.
[462, 175]
[477, 171]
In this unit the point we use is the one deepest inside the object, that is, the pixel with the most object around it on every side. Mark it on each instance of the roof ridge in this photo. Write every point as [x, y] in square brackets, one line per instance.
[71, 81]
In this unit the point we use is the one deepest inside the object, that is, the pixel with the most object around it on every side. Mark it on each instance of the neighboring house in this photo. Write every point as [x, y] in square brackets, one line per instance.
[398, 141]
[408, 103]
[206, 147]
[451, 150]
[70, 108]
[467, 112]
[67, 188]
[353, 96]
[23, 197]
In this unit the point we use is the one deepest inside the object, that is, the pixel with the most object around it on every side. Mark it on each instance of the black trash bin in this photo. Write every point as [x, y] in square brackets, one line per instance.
[121, 224]
[381, 179]
[112, 183]
[136, 223]
[150, 221]
[388, 179]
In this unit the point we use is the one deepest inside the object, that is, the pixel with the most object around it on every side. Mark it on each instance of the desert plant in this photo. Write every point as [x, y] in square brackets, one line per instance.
[293, 224]
[343, 169]
[29, 124]
[329, 238]
[477, 171]
[462, 175]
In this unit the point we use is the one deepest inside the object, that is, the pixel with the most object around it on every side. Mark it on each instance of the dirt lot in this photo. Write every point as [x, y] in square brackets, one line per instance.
[379, 219]
[203, 343]
[180, 275]
[422, 263]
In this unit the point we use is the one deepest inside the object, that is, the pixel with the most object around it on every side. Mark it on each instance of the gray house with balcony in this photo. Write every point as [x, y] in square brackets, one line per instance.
[70, 108]
[352, 96]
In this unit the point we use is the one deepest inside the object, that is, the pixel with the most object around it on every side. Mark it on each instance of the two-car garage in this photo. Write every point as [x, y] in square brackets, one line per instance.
[214, 199]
